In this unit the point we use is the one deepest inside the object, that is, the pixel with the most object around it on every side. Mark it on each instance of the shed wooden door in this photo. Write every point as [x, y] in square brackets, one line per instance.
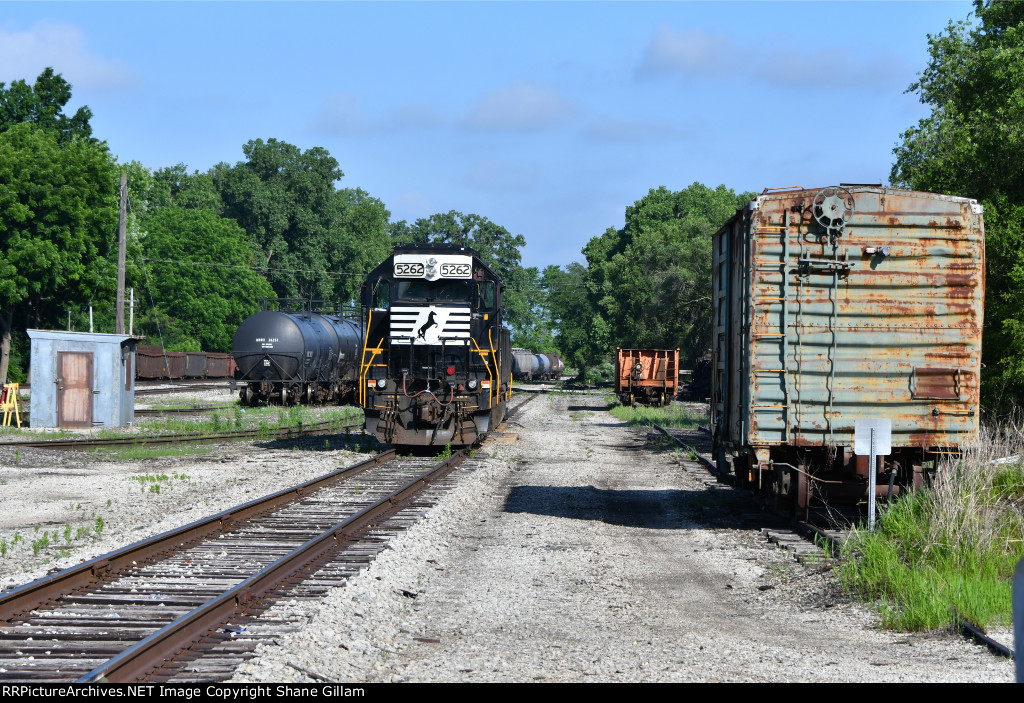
[74, 389]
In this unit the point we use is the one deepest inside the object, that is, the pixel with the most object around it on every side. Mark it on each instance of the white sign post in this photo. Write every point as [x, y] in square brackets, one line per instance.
[872, 436]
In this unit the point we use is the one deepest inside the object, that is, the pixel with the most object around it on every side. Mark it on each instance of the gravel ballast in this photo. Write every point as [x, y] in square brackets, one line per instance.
[578, 553]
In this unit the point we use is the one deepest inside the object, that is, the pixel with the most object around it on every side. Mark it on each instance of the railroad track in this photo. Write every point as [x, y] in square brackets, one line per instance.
[197, 385]
[302, 430]
[806, 541]
[169, 608]
[157, 412]
[127, 615]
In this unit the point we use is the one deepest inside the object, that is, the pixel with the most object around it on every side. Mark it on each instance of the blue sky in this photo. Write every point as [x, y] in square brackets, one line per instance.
[547, 118]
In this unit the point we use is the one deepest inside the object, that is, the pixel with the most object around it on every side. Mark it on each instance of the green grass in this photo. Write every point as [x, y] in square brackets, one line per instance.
[50, 434]
[197, 405]
[239, 418]
[682, 416]
[951, 547]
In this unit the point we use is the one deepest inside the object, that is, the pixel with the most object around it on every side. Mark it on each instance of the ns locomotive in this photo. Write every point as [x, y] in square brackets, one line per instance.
[436, 362]
[303, 356]
[834, 309]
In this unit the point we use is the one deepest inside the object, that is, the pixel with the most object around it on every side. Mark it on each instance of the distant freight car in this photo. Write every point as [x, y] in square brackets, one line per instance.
[527, 366]
[646, 376]
[836, 305]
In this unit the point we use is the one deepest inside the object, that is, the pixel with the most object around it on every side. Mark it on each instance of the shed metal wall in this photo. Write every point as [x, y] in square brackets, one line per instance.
[811, 336]
[113, 380]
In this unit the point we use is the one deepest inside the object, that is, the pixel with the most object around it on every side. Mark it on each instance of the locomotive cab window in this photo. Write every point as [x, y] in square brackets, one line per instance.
[381, 295]
[485, 292]
[442, 291]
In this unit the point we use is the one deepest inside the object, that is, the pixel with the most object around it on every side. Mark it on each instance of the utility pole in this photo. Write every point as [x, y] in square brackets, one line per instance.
[121, 244]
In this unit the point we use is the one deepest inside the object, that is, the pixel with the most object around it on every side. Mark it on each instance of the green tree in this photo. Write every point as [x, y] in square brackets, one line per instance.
[315, 241]
[583, 335]
[651, 280]
[972, 144]
[202, 278]
[43, 104]
[174, 185]
[58, 222]
[357, 241]
[284, 199]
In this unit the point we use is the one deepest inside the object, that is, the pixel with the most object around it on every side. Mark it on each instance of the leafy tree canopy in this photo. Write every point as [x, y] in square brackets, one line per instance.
[202, 279]
[651, 280]
[313, 239]
[58, 224]
[972, 144]
[43, 104]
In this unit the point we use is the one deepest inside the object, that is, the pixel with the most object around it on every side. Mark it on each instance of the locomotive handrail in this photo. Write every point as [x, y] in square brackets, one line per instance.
[490, 379]
[497, 371]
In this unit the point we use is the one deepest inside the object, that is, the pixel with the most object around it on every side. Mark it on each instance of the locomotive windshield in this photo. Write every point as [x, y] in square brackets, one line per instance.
[443, 290]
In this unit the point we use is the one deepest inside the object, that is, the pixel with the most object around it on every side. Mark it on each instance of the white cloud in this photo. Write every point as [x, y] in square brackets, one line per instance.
[828, 73]
[522, 106]
[24, 55]
[341, 114]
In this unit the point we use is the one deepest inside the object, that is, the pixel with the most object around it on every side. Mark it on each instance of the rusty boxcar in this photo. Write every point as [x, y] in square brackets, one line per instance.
[838, 304]
[646, 376]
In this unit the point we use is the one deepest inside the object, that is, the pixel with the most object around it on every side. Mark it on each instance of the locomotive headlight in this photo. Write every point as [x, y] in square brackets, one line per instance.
[382, 383]
[471, 384]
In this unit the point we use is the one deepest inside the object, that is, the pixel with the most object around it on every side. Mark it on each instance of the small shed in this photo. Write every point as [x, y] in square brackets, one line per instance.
[82, 379]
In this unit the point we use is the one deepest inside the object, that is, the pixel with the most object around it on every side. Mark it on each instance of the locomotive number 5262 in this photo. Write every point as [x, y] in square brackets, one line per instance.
[408, 269]
[455, 270]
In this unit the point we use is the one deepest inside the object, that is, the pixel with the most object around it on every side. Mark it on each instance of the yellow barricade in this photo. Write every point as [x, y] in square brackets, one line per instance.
[10, 404]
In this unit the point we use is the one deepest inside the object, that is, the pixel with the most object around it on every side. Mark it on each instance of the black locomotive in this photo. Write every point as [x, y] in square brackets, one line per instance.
[308, 355]
[436, 362]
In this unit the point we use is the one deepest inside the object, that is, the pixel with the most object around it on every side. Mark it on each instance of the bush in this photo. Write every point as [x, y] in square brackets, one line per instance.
[952, 546]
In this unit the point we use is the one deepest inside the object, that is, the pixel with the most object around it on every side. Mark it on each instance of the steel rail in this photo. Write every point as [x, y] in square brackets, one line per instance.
[708, 464]
[143, 658]
[51, 587]
[198, 437]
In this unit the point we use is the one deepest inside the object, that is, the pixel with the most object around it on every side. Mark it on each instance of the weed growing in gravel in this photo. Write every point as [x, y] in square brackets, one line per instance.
[951, 546]
[682, 416]
[40, 544]
[99, 527]
[446, 454]
[781, 571]
[67, 532]
[3, 547]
